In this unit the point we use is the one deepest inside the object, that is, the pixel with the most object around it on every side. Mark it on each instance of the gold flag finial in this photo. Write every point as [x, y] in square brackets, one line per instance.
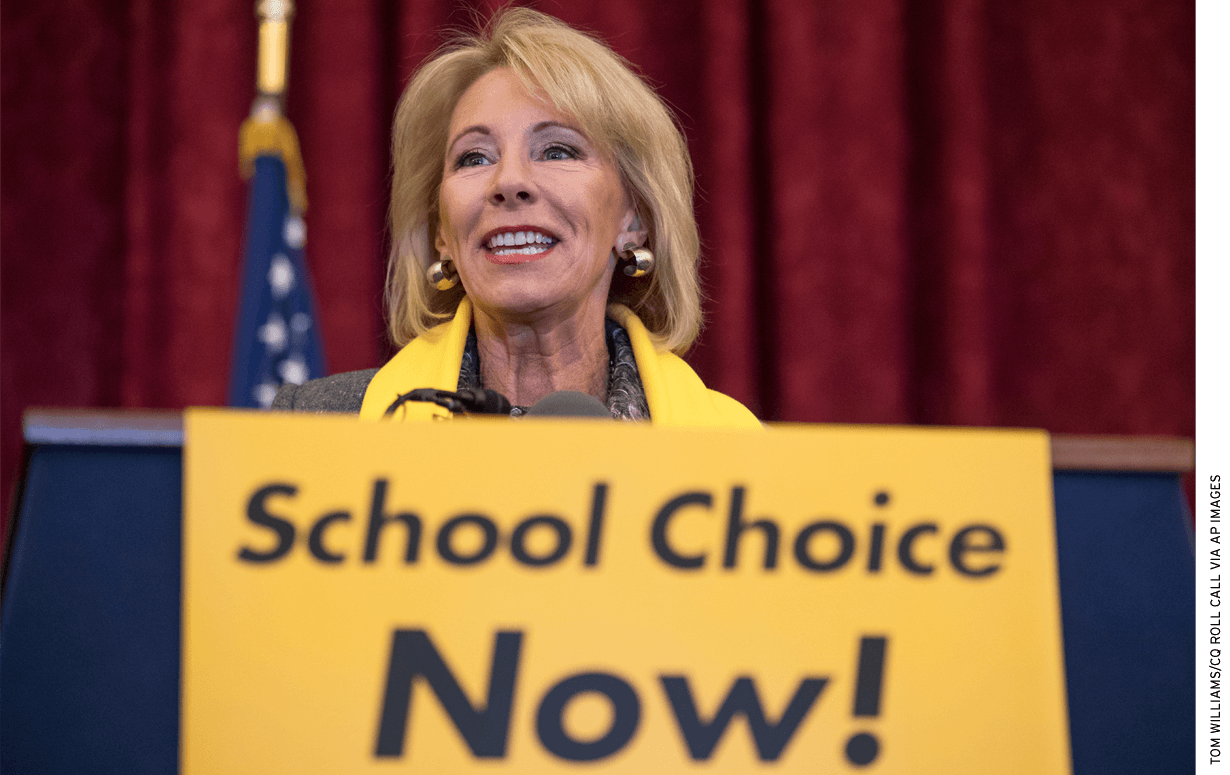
[273, 52]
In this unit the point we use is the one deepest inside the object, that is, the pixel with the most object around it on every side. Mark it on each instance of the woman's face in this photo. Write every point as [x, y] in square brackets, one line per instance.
[530, 210]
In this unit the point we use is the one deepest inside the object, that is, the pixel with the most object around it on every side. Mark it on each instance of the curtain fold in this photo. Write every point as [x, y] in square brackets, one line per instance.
[955, 212]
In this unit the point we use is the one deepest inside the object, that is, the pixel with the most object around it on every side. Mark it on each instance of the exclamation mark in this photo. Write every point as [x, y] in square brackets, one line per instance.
[863, 748]
[875, 554]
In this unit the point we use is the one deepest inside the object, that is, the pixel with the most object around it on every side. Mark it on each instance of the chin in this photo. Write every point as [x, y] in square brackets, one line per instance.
[517, 299]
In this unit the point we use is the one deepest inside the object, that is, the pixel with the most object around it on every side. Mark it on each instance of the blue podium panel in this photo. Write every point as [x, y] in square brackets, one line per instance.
[89, 658]
[1127, 583]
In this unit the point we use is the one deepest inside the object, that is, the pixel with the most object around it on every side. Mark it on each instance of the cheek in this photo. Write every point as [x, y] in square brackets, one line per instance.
[603, 208]
[614, 204]
[454, 216]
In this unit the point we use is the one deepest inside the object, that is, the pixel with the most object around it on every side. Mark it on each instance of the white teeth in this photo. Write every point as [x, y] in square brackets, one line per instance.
[508, 238]
[528, 250]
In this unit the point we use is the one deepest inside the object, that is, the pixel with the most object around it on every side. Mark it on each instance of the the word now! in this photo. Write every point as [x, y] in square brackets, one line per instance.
[485, 731]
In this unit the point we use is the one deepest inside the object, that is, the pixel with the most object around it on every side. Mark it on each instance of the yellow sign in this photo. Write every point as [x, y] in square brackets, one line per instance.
[537, 597]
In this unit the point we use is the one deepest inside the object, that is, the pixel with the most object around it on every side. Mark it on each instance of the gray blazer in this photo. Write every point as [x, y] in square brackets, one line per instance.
[339, 394]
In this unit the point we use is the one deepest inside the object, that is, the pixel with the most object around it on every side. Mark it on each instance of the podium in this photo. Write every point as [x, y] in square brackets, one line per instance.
[90, 627]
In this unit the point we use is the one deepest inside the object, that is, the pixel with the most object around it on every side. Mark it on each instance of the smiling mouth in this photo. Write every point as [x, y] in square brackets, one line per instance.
[518, 245]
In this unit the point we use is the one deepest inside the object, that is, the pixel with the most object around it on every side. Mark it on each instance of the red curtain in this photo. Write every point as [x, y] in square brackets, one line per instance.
[953, 212]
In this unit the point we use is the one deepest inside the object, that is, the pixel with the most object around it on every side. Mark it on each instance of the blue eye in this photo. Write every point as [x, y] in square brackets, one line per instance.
[471, 159]
[559, 152]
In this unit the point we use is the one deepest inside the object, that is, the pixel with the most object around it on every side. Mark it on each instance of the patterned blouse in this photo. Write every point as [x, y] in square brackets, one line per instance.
[625, 396]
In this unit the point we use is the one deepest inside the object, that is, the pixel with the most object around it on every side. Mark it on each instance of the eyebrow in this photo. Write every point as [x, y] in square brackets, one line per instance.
[482, 129]
[478, 129]
[541, 125]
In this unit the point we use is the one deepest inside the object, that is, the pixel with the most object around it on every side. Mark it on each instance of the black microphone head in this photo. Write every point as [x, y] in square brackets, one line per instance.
[569, 403]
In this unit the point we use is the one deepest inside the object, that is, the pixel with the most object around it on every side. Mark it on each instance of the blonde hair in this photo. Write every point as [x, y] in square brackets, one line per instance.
[581, 77]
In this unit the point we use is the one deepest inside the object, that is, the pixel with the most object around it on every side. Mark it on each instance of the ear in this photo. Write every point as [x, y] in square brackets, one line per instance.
[441, 248]
[633, 232]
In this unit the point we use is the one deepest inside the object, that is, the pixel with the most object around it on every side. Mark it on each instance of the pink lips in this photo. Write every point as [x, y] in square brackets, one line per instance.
[517, 258]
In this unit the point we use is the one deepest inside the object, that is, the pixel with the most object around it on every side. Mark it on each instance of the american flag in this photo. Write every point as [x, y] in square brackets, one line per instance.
[277, 338]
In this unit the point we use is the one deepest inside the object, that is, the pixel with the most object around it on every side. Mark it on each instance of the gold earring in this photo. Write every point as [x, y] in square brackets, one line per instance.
[640, 260]
[442, 274]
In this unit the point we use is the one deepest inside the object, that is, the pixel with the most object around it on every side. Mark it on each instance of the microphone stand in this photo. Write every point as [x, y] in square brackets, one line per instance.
[465, 401]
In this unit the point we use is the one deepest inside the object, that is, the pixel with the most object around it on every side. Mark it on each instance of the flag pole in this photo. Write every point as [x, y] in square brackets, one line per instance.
[273, 47]
[266, 130]
[277, 337]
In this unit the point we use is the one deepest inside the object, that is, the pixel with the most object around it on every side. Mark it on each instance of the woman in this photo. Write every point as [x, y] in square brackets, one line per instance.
[543, 237]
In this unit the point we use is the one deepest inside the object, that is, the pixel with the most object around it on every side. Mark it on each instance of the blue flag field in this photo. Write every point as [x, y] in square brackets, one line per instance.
[277, 335]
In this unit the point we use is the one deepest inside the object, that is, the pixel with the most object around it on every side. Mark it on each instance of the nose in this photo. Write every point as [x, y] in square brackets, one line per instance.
[512, 182]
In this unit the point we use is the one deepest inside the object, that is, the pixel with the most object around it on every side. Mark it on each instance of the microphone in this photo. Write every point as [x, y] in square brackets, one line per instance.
[464, 401]
[570, 403]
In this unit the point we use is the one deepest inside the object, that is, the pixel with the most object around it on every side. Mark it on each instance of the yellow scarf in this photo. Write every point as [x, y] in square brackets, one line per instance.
[676, 396]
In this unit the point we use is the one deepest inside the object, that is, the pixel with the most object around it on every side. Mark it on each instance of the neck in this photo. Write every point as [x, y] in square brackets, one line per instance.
[529, 359]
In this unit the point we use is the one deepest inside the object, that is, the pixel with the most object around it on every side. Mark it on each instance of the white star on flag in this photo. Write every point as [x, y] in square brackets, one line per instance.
[281, 276]
[294, 231]
[264, 393]
[273, 333]
[293, 370]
